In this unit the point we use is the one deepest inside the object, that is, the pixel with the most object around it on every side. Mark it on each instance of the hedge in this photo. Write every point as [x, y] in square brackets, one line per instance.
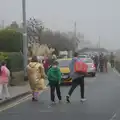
[14, 60]
[117, 66]
[10, 41]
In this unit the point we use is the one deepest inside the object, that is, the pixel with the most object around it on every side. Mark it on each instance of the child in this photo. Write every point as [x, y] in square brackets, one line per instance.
[54, 78]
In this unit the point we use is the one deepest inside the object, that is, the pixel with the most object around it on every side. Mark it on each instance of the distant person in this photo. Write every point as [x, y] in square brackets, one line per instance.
[96, 61]
[77, 79]
[4, 79]
[106, 63]
[46, 64]
[54, 78]
[101, 62]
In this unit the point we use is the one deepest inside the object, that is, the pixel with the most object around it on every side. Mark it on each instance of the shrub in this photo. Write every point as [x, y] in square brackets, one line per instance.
[117, 65]
[15, 61]
[10, 41]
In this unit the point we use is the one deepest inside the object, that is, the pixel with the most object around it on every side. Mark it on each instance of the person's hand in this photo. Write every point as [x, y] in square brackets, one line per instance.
[59, 82]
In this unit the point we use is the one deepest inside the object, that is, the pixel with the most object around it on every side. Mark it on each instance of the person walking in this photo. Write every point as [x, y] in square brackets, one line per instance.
[106, 63]
[46, 64]
[101, 62]
[54, 78]
[96, 60]
[36, 76]
[4, 79]
[77, 79]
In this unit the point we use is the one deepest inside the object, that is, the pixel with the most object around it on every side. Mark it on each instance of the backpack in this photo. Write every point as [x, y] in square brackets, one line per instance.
[80, 66]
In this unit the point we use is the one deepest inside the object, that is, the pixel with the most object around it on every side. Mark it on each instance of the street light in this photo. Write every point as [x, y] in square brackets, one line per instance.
[25, 43]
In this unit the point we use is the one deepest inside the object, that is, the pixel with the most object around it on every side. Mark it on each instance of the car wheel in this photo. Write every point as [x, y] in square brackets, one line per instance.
[93, 74]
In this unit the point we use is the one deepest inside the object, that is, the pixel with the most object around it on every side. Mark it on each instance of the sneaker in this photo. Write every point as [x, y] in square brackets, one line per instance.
[83, 100]
[68, 99]
[53, 103]
[33, 99]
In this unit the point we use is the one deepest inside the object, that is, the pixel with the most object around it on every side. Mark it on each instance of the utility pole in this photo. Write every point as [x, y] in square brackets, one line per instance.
[75, 37]
[75, 29]
[99, 42]
[25, 43]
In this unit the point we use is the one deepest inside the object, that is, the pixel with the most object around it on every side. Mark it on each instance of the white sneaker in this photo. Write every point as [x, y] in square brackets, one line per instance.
[53, 103]
[83, 99]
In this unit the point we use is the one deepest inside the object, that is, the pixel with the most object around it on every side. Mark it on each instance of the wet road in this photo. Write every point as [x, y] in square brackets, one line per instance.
[103, 103]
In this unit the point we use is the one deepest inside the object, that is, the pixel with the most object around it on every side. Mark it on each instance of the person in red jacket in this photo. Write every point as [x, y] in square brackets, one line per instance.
[46, 64]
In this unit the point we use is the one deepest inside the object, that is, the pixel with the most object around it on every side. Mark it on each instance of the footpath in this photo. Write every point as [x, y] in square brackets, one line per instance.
[18, 91]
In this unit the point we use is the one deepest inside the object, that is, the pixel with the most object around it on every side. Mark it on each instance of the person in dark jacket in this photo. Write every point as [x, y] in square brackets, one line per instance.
[77, 79]
[96, 61]
[54, 78]
[101, 62]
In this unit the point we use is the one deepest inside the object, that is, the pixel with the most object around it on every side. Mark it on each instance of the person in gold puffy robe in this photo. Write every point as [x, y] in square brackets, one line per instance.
[36, 77]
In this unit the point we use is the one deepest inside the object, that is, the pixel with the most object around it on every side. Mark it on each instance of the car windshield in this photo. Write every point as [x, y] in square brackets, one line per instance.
[82, 56]
[64, 63]
[88, 61]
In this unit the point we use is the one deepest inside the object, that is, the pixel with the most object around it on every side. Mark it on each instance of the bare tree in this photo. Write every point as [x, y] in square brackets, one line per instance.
[34, 29]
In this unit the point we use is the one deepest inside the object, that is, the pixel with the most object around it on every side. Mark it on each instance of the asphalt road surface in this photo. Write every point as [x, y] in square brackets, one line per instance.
[103, 103]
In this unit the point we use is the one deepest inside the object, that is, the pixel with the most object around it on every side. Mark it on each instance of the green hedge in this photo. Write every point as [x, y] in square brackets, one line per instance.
[10, 41]
[15, 61]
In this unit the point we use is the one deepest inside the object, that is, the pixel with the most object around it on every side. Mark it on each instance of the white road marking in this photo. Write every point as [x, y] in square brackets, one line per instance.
[19, 102]
[113, 117]
[114, 70]
[16, 103]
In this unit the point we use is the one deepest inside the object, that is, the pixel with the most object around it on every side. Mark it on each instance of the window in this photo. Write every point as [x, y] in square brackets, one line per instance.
[64, 63]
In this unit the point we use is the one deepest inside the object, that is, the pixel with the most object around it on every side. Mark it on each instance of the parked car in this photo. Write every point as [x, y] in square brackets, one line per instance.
[83, 56]
[91, 66]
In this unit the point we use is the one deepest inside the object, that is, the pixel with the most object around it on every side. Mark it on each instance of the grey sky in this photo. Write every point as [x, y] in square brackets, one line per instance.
[94, 17]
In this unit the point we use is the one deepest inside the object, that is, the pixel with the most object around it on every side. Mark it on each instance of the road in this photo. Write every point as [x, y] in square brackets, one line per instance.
[103, 103]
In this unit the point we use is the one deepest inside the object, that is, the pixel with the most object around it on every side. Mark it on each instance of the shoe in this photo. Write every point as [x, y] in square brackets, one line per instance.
[33, 99]
[83, 99]
[53, 103]
[68, 99]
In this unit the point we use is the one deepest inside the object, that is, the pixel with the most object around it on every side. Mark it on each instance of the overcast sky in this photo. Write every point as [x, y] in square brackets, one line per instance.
[94, 17]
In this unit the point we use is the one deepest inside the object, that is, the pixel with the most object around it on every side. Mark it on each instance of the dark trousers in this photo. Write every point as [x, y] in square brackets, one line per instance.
[52, 91]
[75, 83]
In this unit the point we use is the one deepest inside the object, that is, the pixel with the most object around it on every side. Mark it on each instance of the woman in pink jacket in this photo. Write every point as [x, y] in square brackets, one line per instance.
[4, 78]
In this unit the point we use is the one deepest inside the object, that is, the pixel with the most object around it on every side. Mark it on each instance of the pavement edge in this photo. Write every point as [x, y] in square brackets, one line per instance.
[15, 98]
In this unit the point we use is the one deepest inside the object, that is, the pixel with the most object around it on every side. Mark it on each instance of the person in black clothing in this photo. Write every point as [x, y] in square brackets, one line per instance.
[101, 62]
[96, 60]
